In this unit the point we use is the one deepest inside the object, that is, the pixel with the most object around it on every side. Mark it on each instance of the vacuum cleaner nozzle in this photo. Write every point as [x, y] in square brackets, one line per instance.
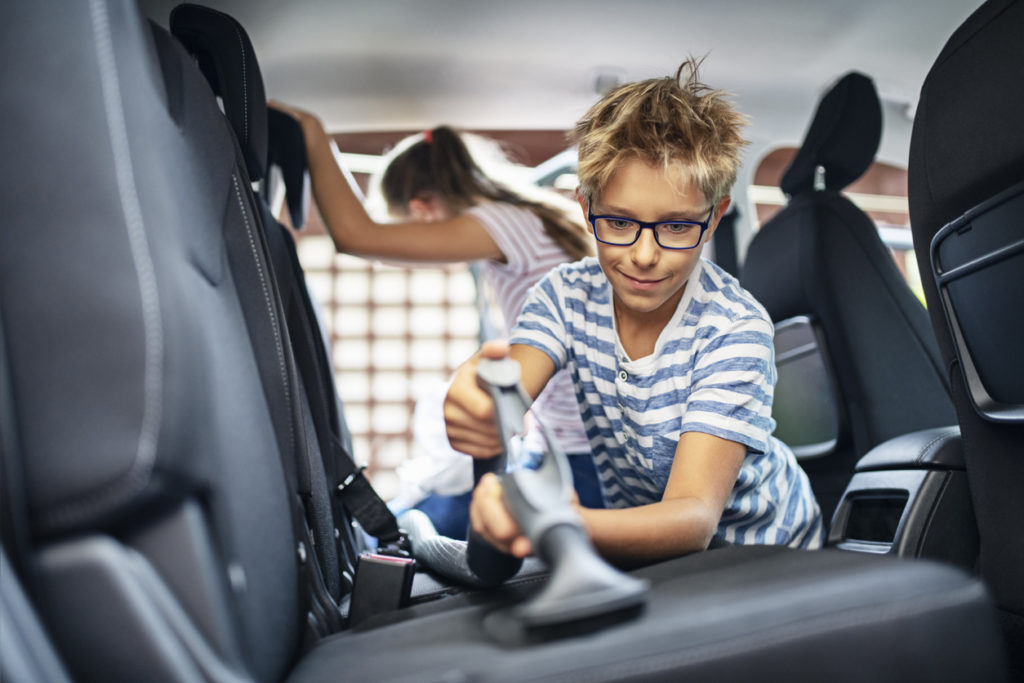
[582, 584]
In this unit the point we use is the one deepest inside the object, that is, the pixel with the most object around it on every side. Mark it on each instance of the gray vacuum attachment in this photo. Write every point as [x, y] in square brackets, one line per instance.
[582, 584]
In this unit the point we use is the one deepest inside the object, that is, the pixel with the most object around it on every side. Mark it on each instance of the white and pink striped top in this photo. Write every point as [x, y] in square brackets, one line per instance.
[530, 253]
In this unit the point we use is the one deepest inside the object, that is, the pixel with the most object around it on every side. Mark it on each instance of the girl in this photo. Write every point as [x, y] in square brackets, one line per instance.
[449, 210]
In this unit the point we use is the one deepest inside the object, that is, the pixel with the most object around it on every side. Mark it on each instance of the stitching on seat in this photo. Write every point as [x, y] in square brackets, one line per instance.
[245, 88]
[138, 475]
[941, 438]
[270, 309]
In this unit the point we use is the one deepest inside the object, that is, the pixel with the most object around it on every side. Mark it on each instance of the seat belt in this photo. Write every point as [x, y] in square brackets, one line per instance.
[380, 581]
[261, 308]
[345, 476]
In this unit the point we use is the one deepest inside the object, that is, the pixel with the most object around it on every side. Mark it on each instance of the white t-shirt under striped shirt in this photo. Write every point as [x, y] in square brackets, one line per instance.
[712, 371]
[530, 253]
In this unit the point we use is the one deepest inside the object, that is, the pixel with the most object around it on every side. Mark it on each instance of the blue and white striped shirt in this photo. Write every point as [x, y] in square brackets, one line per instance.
[712, 371]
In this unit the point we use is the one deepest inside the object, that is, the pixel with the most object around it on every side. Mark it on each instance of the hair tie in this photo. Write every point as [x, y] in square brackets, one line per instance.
[428, 137]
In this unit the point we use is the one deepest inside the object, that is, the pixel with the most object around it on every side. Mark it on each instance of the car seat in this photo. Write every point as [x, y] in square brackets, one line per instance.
[967, 212]
[858, 363]
[164, 528]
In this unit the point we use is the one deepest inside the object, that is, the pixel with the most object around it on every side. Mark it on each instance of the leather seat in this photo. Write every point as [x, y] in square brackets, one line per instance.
[967, 173]
[821, 257]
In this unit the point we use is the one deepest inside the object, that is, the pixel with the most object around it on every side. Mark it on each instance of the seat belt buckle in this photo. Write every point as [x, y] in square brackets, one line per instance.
[400, 546]
[383, 583]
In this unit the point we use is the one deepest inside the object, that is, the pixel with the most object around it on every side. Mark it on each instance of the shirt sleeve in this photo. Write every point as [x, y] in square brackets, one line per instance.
[542, 323]
[733, 383]
[510, 230]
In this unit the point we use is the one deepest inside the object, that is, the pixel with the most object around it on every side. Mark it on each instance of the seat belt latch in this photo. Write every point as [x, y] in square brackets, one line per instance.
[382, 583]
[400, 546]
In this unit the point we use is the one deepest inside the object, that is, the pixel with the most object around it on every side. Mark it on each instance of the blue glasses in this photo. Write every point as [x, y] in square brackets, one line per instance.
[622, 232]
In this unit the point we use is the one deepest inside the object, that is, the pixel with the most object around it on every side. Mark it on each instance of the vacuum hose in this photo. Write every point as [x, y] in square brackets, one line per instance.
[582, 585]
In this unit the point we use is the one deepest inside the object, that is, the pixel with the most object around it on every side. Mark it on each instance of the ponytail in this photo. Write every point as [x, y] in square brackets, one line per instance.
[438, 163]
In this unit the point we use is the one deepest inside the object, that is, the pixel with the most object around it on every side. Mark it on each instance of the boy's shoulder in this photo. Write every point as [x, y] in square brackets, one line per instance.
[585, 274]
[578, 284]
[586, 268]
[722, 293]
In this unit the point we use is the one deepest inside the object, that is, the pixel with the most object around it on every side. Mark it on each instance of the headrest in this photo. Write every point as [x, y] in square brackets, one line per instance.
[968, 144]
[227, 59]
[843, 137]
[287, 151]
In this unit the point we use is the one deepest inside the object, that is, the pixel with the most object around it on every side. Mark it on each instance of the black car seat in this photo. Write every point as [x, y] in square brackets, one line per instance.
[165, 534]
[967, 212]
[270, 139]
[162, 533]
[858, 362]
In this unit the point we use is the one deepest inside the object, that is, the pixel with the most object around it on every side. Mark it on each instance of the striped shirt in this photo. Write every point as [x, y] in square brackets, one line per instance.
[529, 254]
[712, 371]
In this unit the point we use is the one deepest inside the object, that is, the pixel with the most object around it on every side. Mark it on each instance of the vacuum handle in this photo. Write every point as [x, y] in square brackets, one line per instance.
[489, 564]
[500, 379]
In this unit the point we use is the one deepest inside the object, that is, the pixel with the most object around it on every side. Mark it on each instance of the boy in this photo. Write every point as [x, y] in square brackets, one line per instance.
[672, 360]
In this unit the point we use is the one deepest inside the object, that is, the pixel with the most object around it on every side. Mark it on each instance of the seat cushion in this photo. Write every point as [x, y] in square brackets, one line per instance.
[727, 614]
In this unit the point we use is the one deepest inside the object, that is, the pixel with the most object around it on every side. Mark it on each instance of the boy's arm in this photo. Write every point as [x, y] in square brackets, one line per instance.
[684, 521]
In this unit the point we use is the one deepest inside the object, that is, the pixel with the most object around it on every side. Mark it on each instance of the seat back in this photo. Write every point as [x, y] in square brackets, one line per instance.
[335, 491]
[821, 257]
[225, 56]
[966, 170]
[157, 424]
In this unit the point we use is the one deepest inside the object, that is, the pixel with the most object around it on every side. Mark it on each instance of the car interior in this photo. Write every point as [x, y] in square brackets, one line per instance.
[180, 496]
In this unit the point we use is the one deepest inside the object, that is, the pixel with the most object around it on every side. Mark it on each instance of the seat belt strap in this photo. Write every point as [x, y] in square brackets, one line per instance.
[346, 477]
[261, 308]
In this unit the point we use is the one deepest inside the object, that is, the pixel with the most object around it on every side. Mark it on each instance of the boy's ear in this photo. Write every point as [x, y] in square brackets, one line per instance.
[720, 208]
[582, 200]
[723, 205]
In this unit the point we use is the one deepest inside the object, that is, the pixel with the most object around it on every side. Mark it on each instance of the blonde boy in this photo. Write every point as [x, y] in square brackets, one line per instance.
[672, 360]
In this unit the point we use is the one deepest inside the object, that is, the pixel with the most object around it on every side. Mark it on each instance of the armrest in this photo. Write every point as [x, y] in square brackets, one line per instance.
[939, 448]
[909, 497]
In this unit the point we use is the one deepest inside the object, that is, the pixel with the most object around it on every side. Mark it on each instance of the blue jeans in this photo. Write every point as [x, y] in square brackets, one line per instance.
[450, 514]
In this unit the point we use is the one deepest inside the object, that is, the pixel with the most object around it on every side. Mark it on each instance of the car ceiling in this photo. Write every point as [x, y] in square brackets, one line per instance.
[538, 64]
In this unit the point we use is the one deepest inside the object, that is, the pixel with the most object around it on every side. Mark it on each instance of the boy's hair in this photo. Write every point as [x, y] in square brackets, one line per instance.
[662, 121]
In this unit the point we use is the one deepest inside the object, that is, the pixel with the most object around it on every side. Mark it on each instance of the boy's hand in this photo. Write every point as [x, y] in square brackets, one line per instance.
[469, 409]
[491, 519]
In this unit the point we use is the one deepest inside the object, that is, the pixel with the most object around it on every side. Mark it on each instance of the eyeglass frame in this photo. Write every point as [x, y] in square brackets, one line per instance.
[592, 219]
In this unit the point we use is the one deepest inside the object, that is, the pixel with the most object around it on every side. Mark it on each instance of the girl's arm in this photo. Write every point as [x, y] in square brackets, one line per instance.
[461, 238]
